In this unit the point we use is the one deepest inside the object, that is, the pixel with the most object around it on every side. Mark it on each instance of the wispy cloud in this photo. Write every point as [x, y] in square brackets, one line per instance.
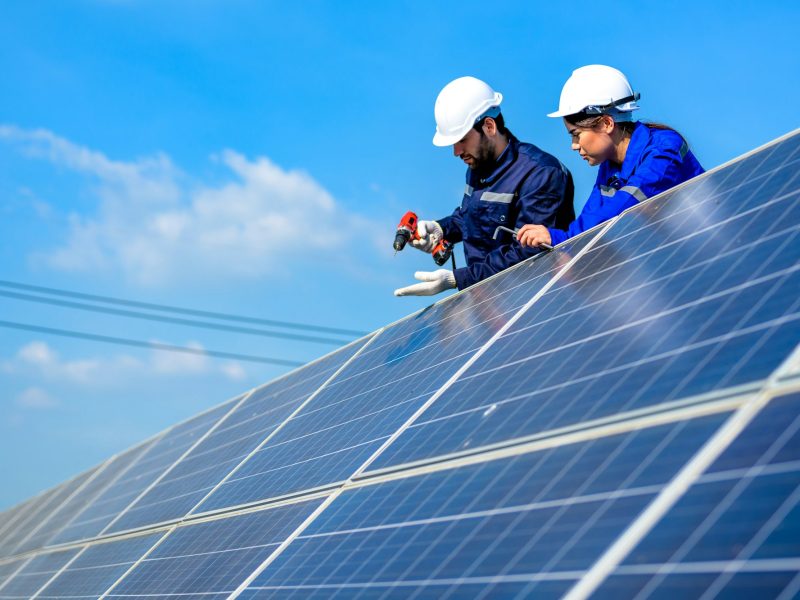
[40, 361]
[155, 224]
[35, 398]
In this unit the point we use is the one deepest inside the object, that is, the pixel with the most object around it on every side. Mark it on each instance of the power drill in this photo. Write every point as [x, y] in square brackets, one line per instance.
[407, 230]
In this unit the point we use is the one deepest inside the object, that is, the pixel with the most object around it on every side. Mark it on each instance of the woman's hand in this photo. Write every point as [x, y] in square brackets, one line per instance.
[534, 235]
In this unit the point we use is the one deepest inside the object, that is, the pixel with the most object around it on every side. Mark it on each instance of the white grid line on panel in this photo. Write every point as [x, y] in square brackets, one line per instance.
[673, 492]
[448, 582]
[762, 565]
[791, 590]
[335, 494]
[285, 421]
[197, 442]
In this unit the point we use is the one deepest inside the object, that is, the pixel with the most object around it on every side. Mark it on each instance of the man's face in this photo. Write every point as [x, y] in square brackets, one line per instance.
[474, 149]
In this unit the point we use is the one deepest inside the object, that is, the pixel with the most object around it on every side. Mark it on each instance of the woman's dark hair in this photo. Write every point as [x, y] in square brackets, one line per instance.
[586, 121]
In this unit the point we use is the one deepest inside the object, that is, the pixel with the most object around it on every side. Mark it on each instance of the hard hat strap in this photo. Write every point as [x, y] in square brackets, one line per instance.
[603, 109]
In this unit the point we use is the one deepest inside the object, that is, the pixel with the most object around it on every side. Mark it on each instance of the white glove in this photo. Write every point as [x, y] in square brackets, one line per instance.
[435, 282]
[430, 234]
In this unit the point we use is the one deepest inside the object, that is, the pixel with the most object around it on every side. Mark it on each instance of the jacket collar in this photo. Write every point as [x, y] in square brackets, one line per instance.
[503, 162]
[610, 172]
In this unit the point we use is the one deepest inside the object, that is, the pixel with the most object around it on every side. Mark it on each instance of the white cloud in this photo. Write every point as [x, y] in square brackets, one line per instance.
[36, 398]
[180, 363]
[37, 359]
[155, 225]
[234, 371]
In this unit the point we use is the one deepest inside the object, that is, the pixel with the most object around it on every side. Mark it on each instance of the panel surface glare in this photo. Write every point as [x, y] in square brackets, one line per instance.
[692, 293]
[341, 427]
[211, 559]
[158, 458]
[240, 433]
[537, 517]
[736, 531]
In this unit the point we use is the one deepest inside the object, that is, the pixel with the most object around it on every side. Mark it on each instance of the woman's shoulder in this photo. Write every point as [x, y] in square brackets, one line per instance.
[663, 137]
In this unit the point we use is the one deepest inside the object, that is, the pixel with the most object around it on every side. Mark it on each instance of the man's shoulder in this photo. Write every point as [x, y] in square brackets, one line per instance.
[534, 156]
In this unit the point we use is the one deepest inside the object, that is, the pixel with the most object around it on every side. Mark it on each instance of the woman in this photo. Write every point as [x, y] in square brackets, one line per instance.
[637, 160]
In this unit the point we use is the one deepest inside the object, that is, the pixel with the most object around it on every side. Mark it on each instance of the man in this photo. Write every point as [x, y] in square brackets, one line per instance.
[509, 183]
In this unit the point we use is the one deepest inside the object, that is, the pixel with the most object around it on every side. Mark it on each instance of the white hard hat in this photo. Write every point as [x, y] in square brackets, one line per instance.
[597, 89]
[461, 104]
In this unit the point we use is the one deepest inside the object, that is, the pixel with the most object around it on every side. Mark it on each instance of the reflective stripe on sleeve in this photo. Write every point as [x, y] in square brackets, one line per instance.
[635, 192]
[495, 197]
[607, 190]
[684, 150]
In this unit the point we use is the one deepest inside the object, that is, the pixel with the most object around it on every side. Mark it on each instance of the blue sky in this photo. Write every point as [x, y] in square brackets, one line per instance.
[253, 157]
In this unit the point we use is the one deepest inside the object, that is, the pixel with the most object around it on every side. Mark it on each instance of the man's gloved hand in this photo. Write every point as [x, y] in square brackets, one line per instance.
[434, 282]
[430, 234]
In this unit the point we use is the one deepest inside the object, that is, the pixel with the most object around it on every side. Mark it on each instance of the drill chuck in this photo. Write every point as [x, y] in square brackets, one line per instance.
[401, 239]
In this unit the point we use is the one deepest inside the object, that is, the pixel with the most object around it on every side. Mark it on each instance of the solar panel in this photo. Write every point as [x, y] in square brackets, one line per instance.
[617, 418]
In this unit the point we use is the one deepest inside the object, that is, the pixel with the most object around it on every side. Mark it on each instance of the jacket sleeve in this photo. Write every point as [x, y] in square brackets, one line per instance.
[659, 170]
[452, 225]
[540, 197]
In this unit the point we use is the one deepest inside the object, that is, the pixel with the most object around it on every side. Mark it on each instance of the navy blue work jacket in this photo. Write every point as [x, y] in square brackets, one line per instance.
[526, 185]
[656, 160]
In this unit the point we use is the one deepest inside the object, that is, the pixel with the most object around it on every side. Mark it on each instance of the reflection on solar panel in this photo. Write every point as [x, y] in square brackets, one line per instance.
[618, 418]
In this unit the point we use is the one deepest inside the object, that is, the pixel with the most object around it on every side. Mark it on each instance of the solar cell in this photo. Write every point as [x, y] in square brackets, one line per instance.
[659, 310]
[526, 519]
[376, 393]
[242, 431]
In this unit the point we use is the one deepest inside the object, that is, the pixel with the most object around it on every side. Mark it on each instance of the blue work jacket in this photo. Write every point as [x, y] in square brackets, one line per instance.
[656, 160]
[525, 185]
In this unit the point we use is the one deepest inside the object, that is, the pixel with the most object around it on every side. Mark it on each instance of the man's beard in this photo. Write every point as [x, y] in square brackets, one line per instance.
[485, 158]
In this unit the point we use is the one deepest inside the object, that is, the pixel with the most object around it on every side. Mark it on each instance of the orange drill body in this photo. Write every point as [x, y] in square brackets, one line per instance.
[407, 230]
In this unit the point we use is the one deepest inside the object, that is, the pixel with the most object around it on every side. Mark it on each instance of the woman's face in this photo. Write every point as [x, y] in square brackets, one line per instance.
[594, 144]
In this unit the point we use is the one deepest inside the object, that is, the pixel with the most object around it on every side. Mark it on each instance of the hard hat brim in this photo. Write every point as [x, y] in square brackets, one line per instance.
[560, 113]
[442, 140]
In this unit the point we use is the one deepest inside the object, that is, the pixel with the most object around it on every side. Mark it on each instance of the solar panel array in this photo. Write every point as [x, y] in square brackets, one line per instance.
[617, 418]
